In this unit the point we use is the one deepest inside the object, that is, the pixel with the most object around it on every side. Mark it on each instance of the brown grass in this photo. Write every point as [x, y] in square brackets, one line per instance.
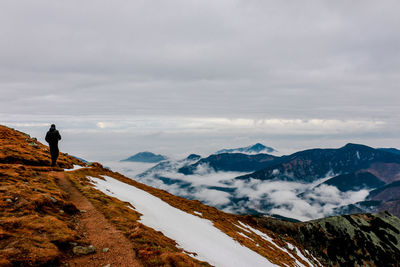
[151, 245]
[37, 222]
[34, 230]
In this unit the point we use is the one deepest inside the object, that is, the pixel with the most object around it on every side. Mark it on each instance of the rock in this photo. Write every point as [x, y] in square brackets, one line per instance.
[107, 265]
[33, 144]
[9, 200]
[82, 211]
[70, 208]
[73, 244]
[106, 249]
[52, 199]
[80, 250]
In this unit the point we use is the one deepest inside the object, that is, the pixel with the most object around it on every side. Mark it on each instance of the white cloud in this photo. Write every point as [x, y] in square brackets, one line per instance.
[267, 197]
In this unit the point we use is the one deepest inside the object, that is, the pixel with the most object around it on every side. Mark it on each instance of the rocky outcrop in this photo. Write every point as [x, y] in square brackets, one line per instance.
[348, 240]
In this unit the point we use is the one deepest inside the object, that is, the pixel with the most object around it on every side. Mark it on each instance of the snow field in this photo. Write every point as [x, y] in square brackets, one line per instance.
[192, 233]
[76, 167]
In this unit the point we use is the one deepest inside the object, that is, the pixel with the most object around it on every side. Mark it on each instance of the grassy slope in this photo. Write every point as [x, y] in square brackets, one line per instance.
[37, 222]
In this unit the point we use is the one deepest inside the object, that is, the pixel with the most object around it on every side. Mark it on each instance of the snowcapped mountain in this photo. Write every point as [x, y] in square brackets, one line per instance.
[253, 149]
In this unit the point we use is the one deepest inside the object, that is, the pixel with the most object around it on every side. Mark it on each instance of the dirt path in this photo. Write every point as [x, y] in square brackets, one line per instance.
[99, 232]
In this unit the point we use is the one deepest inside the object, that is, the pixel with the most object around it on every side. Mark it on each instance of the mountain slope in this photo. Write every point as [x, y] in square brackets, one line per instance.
[349, 240]
[46, 228]
[38, 226]
[391, 150]
[355, 181]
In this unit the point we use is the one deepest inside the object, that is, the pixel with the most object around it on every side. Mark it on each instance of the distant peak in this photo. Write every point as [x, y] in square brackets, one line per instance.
[193, 157]
[258, 145]
[252, 149]
[355, 146]
[146, 156]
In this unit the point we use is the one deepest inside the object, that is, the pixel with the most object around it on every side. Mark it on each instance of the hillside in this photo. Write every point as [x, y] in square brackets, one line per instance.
[48, 212]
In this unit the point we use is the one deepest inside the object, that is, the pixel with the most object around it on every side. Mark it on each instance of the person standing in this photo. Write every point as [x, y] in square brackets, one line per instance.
[52, 137]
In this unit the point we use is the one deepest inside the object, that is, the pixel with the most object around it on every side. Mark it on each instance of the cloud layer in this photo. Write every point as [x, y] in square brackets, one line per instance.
[302, 201]
[231, 58]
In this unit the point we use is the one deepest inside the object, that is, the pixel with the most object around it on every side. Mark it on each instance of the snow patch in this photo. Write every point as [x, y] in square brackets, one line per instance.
[198, 213]
[245, 236]
[76, 167]
[189, 231]
[244, 229]
[257, 232]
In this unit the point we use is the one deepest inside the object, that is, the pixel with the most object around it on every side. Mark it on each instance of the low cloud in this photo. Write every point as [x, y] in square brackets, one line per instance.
[302, 201]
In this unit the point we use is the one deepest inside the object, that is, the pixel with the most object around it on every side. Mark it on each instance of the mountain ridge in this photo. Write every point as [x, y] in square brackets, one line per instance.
[352, 169]
[38, 222]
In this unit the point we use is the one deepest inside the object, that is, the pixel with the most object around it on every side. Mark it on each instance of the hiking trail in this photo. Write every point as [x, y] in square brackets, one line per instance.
[97, 231]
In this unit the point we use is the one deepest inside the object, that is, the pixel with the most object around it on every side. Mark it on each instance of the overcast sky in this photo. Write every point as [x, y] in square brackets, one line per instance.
[119, 77]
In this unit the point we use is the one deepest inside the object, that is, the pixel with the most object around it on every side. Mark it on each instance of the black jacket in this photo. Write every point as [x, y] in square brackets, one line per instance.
[53, 136]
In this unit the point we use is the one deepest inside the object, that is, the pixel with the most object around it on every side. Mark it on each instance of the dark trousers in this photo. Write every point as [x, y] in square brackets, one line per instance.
[54, 154]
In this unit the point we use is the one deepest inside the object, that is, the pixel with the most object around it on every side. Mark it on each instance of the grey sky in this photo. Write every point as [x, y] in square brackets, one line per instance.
[185, 75]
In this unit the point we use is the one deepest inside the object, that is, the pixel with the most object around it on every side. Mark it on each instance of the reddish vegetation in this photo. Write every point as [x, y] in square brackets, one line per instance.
[387, 172]
[38, 222]
[151, 243]
[152, 247]
[35, 219]
[20, 148]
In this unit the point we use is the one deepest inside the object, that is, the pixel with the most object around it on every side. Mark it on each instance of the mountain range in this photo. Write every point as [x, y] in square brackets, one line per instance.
[352, 173]
[82, 214]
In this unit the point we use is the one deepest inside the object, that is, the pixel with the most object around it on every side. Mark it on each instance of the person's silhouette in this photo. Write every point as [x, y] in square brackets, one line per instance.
[52, 137]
